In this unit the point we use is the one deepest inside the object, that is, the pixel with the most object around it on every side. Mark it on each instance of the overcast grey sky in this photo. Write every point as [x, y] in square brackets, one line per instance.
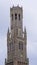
[29, 20]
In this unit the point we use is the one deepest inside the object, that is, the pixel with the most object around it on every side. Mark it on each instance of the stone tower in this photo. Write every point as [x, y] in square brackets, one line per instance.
[16, 39]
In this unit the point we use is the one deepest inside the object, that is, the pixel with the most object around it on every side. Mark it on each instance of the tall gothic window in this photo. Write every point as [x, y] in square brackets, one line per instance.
[21, 45]
[15, 16]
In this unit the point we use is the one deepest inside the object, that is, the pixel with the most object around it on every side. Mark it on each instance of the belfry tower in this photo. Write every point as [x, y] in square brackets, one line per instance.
[16, 39]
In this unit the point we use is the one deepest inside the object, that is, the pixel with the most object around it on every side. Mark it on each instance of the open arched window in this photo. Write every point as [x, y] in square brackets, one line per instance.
[12, 16]
[15, 16]
[19, 16]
